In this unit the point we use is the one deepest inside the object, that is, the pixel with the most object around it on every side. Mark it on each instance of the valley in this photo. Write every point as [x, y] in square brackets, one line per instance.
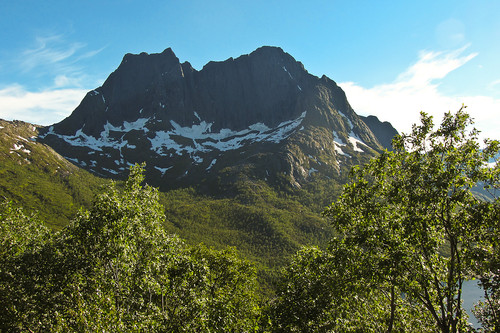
[249, 192]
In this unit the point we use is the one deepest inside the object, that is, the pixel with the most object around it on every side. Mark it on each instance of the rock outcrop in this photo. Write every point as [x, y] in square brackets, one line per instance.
[260, 115]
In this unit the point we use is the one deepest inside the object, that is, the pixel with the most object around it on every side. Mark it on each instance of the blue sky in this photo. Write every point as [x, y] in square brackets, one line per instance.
[393, 58]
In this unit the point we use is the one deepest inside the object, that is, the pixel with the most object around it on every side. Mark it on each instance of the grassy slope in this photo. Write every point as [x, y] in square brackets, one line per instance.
[264, 224]
[39, 179]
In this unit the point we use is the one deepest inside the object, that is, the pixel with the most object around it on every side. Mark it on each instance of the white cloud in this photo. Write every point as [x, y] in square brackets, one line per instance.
[49, 51]
[432, 66]
[61, 66]
[450, 33]
[61, 81]
[90, 54]
[42, 108]
[415, 90]
[493, 84]
[53, 58]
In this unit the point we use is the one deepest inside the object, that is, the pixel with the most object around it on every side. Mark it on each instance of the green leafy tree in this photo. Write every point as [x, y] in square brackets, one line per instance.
[19, 231]
[209, 291]
[114, 269]
[335, 291]
[20, 234]
[487, 310]
[413, 211]
[314, 293]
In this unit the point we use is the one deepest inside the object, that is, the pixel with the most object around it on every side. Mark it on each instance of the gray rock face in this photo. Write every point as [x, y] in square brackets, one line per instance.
[382, 130]
[187, 124]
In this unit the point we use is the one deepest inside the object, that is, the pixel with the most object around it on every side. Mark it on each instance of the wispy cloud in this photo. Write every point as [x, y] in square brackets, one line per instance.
[494, 84]
[49, 50]
[43, 108]
[52, 56]
[417, 89]
[90, 54]
[59, 66]
[432, 66]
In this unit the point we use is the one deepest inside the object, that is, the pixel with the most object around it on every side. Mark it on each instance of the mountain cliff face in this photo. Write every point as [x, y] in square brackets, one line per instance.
[260, 116]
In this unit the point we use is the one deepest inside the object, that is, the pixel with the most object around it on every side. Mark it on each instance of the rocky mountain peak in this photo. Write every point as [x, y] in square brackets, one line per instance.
[186, 123]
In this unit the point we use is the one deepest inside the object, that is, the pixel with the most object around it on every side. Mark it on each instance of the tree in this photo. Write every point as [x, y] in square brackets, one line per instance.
[414, 212]
[18, 231]
[20, 234]
[335, 291]
[487, 311]
[114, 269]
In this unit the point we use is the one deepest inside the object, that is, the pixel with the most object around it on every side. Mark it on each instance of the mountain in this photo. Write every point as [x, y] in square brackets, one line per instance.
[260, 116]
[382, 130]
[263, 225]
[36, 177]
[247, 152]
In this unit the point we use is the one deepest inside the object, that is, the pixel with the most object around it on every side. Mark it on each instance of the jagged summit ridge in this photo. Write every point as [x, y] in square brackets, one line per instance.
[230, 94]
[203, 138]
[182, 121]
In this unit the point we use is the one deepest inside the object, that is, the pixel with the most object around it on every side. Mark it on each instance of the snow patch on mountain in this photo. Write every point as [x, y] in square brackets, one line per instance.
[311, 171]
[191, 140]
[355, 141]
[204, 140]
[349, 122]
[111, 171]
[290, 75]
[338, 144]
[197, 116]
[19, 147]
[163, 170]
[81, 139]
[211, 164]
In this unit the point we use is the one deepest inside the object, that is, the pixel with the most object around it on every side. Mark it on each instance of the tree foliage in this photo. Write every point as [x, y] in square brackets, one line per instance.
[334, 290]
[488, 309]
[413, 212]
[114, 269]
[410, 229]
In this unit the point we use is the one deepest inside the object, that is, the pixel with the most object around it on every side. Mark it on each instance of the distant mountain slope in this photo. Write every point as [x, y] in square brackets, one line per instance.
[261, 116]
[264, 224]
[382, 130]
[34, 176]
[247, 151]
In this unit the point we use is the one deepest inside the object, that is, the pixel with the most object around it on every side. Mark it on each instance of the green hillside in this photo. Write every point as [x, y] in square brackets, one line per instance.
[264, 224]
[261, 225]
[40, 180]
[116, 267]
